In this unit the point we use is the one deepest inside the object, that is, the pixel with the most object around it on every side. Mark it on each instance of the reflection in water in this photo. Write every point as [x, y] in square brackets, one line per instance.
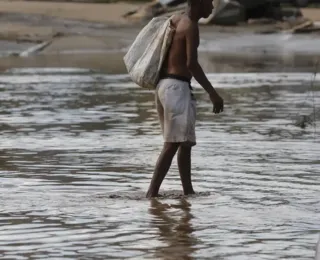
[175, 229]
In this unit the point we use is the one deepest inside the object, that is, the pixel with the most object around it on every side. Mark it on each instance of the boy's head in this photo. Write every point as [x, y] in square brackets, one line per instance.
[204, 7]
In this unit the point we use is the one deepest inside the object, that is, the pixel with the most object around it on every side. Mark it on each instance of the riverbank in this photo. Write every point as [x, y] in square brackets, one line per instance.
[96, 36]
[37, 20]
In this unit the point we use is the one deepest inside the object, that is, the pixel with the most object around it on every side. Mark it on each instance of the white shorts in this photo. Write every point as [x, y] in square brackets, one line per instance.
[176, 109]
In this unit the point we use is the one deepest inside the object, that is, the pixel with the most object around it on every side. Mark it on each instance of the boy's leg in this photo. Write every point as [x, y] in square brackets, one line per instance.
[184, 165]
[162, 168]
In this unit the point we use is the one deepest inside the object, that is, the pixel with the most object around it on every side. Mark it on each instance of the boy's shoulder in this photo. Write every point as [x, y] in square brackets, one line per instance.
[184, 22]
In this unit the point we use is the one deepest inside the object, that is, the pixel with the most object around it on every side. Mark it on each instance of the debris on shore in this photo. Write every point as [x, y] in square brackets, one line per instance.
[234, 13]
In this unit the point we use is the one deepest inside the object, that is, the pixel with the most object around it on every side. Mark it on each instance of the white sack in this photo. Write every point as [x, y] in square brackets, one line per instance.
[146, 55]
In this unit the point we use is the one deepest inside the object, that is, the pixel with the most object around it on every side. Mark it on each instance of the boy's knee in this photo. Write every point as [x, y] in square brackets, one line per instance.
[186, 146]
[171, 146]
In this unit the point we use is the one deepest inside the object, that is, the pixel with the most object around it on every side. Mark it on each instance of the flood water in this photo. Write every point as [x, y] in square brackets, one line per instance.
[78, 150]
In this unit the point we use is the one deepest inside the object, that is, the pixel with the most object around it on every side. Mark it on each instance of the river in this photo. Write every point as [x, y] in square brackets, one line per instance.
[78, 149]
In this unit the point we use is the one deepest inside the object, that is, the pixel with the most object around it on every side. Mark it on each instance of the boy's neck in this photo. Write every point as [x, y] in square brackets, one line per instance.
[193, 14]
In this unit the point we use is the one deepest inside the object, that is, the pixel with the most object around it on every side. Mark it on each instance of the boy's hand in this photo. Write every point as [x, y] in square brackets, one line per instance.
[217, 102]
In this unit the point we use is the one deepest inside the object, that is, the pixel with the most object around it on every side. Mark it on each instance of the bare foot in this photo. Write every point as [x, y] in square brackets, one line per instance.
[152, 194]
[189, 192]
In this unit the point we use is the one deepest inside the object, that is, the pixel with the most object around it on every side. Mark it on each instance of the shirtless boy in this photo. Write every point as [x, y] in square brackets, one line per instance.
[175, 102]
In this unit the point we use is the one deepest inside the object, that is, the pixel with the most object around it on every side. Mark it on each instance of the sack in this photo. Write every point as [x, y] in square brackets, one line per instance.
[146, 55]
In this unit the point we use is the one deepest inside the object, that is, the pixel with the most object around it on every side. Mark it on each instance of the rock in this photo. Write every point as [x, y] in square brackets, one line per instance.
[225, 12]
[147, 12]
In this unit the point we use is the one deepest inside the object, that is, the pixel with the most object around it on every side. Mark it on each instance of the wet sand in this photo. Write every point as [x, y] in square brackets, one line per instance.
[96, 36]
[39, 21]
[311, 13]
[109, 13]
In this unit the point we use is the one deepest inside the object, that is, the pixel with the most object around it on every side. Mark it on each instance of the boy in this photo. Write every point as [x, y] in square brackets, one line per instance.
[175, 103]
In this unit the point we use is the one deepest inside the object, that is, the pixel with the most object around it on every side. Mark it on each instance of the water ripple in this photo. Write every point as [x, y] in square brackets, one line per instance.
[78, 149]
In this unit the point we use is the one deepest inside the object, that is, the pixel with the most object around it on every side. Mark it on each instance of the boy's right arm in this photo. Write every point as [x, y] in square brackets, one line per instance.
[192, 43]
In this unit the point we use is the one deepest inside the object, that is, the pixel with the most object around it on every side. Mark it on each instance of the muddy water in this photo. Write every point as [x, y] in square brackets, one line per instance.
[78, 150]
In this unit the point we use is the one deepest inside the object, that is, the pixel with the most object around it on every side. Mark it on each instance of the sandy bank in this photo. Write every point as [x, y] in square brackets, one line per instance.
[93, 12]
[93, 35]
[105, 13]
[311, 13]
[38, 20]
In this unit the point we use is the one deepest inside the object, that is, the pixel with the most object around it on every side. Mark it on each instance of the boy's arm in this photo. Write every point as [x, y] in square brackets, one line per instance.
[192, 43]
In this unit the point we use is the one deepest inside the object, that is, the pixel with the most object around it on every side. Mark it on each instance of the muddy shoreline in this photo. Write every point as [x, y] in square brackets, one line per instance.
[44, 35]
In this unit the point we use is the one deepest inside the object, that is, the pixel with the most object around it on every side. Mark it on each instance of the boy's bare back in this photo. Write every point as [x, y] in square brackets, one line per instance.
[178, 56]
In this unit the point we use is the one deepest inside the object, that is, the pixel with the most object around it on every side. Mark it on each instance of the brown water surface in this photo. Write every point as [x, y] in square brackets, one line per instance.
[78, 149]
